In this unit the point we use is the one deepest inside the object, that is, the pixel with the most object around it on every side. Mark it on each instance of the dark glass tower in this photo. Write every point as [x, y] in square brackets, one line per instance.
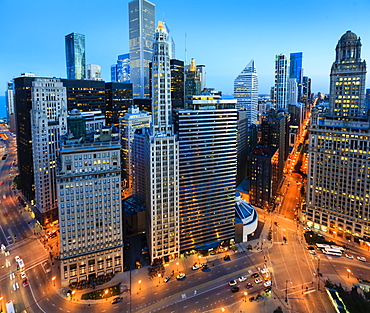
[118, 97]
[75, 56]
[177, 83]
[296, 71]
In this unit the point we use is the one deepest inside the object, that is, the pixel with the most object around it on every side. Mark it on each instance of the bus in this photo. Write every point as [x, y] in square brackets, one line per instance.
[334, 252]
[10, 307]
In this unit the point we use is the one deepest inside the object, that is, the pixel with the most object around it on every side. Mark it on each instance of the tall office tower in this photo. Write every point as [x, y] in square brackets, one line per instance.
[162, 153]
[141, 27]
[275, 134]
[207, 131]
[246, 91]
[346, 88]
[48, 124]
[118, 98]
[367, 100]
[93, 72]
[292, 91]
[202, 76]
[296, 71]
[177, 83]
[338, 185]
[172, 52]
[192, 80]
[281, 81]
[264, 176]
[123, 68]
[75, 56]
[9, 98]
[242, 147]
[90, 210]
[128, 125]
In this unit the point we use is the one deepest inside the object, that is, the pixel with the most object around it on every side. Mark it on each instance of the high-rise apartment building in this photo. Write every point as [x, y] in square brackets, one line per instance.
[141, 28]
[281, 81]
[75, 56]
[207, 131]
[296, 71]
[246, 91]
[90, 210]
[48, 124]
[338, 185]
[162, 158]
[93, 72]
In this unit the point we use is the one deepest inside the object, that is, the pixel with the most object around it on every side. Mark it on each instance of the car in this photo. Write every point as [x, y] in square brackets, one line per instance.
[249, 285]
[180, 276]
[17, 258]
[25, 283]
[6, 253]
[23, 275]
[242, 278]
[267, 283]
[310, 248]
[361, 258]
[204, 267]
[252, 299]
[235, 289]
[264, 270]
[232, 282]
[195, 267]
[267, 289]
[116, 300]
[258, 280]
[3, 247]
[255, 275]
[349, 256]
[312, 252]
[167, 279]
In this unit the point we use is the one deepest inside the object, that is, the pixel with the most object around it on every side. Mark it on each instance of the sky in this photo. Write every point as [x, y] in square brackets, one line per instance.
[222, 35]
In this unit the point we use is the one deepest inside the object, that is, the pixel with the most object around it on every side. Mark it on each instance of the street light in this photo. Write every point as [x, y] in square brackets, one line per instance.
[177, 264]
[139, 284]
[159, 278]
[348, 271]
[223, 309]
[106, 294]
[73, 292]
[53, 279]
[245, 296]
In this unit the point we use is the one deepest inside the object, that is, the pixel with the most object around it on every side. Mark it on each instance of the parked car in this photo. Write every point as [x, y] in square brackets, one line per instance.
[258, 280]
[232, 283]
[361, 258]
[180, 276]
[167, 279]
[255, 275]
[310, 248]
[267, 283]
[242, 278]
[195, 267]
[117, 300]
[349, 256]
[235, 289]
[249, 285]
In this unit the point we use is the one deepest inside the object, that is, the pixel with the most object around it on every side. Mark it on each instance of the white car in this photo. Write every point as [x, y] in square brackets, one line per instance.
[232, 283]
[15, 286]
[267, 283]
[195, 267]
[258, 280]
[264, 270]
[242, 278]
[17, 258]
[361, 258]
[349, 256]
[23, 275]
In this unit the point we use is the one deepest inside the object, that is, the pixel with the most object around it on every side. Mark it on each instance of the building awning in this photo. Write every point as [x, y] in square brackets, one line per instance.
[208, 246]
[73, 280]
[83, 278]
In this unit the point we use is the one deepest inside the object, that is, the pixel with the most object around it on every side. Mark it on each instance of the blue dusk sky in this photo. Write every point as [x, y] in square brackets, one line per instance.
[222, 35]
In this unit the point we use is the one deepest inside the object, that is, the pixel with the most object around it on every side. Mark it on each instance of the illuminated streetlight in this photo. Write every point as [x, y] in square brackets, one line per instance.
[177, 264]
[348, 271]
[245, 296]
[159, 278]
[73, 292]
[53, 279]
[139, 284]
[223, 309]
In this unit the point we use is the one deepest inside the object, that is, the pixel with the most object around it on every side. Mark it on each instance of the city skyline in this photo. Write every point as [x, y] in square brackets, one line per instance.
[223, 61]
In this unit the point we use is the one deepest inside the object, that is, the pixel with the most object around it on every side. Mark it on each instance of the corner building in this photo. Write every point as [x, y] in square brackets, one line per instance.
[338, 184]
[90, 220]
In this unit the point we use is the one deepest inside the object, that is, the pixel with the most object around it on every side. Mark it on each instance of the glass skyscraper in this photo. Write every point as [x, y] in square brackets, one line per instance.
[75, 56]
[296, 71]
[141, 28]
[281, 81]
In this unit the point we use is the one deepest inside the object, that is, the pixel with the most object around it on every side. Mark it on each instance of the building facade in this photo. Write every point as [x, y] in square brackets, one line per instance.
[296, 71]
[192, 80]
[75, 56]
[177, 83]
[141, 34]
[246, 91]
[93, 72]
[338, 185]
[207, 131]
[9, 98]
[48, 124]
[281, 81]
[90, 209]
[118, 98]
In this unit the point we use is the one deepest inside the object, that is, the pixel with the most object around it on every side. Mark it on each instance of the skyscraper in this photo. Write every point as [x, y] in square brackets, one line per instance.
[141, 28]
[48, 124]
[9, 98]
[192, 80]
[162, 155]
[75, 56]
[207, 132]
[281, 81]
[296, 71]
[93, 72]
[338, 185]
[177, 83]
[246, 91]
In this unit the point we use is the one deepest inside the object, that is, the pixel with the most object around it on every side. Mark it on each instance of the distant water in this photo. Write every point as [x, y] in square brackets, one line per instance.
[2, 107]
